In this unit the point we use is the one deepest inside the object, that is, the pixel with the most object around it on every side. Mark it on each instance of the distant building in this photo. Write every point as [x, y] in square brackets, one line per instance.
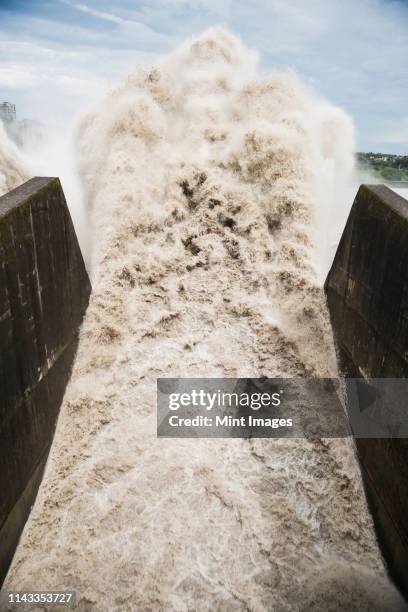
[7, 112]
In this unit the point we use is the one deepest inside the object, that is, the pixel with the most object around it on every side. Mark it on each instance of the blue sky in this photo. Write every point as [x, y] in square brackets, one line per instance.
[57, 56]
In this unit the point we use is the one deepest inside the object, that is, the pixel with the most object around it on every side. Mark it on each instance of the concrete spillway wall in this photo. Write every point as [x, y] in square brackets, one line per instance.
[367, 294]
[44, 292]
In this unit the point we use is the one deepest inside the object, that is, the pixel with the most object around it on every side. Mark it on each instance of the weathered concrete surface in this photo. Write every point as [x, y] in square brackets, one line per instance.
[44, 292]
[367, 294]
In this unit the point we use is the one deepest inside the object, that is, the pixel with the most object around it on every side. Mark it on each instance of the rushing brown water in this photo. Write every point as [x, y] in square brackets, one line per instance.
[207, 186]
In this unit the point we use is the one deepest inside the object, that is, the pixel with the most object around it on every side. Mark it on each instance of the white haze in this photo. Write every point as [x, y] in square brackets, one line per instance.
[14, 170]
[55, 155]
[45, 152]
[210, 190]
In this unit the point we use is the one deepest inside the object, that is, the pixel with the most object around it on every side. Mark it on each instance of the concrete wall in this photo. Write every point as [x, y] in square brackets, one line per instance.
[44, 292]
[367, 295]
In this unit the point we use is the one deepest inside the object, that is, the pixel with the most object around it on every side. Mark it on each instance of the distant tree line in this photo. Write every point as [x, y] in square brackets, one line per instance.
[384, 166]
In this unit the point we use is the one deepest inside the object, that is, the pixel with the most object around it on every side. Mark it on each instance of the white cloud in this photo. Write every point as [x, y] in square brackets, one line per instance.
[95, 13]
[137, 28]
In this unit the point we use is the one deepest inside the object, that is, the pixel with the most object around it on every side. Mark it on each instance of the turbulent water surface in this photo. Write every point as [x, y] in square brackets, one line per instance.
[208, 187]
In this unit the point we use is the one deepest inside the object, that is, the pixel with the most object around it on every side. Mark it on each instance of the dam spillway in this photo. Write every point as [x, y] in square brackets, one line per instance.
[204, 194]
[215, 486]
